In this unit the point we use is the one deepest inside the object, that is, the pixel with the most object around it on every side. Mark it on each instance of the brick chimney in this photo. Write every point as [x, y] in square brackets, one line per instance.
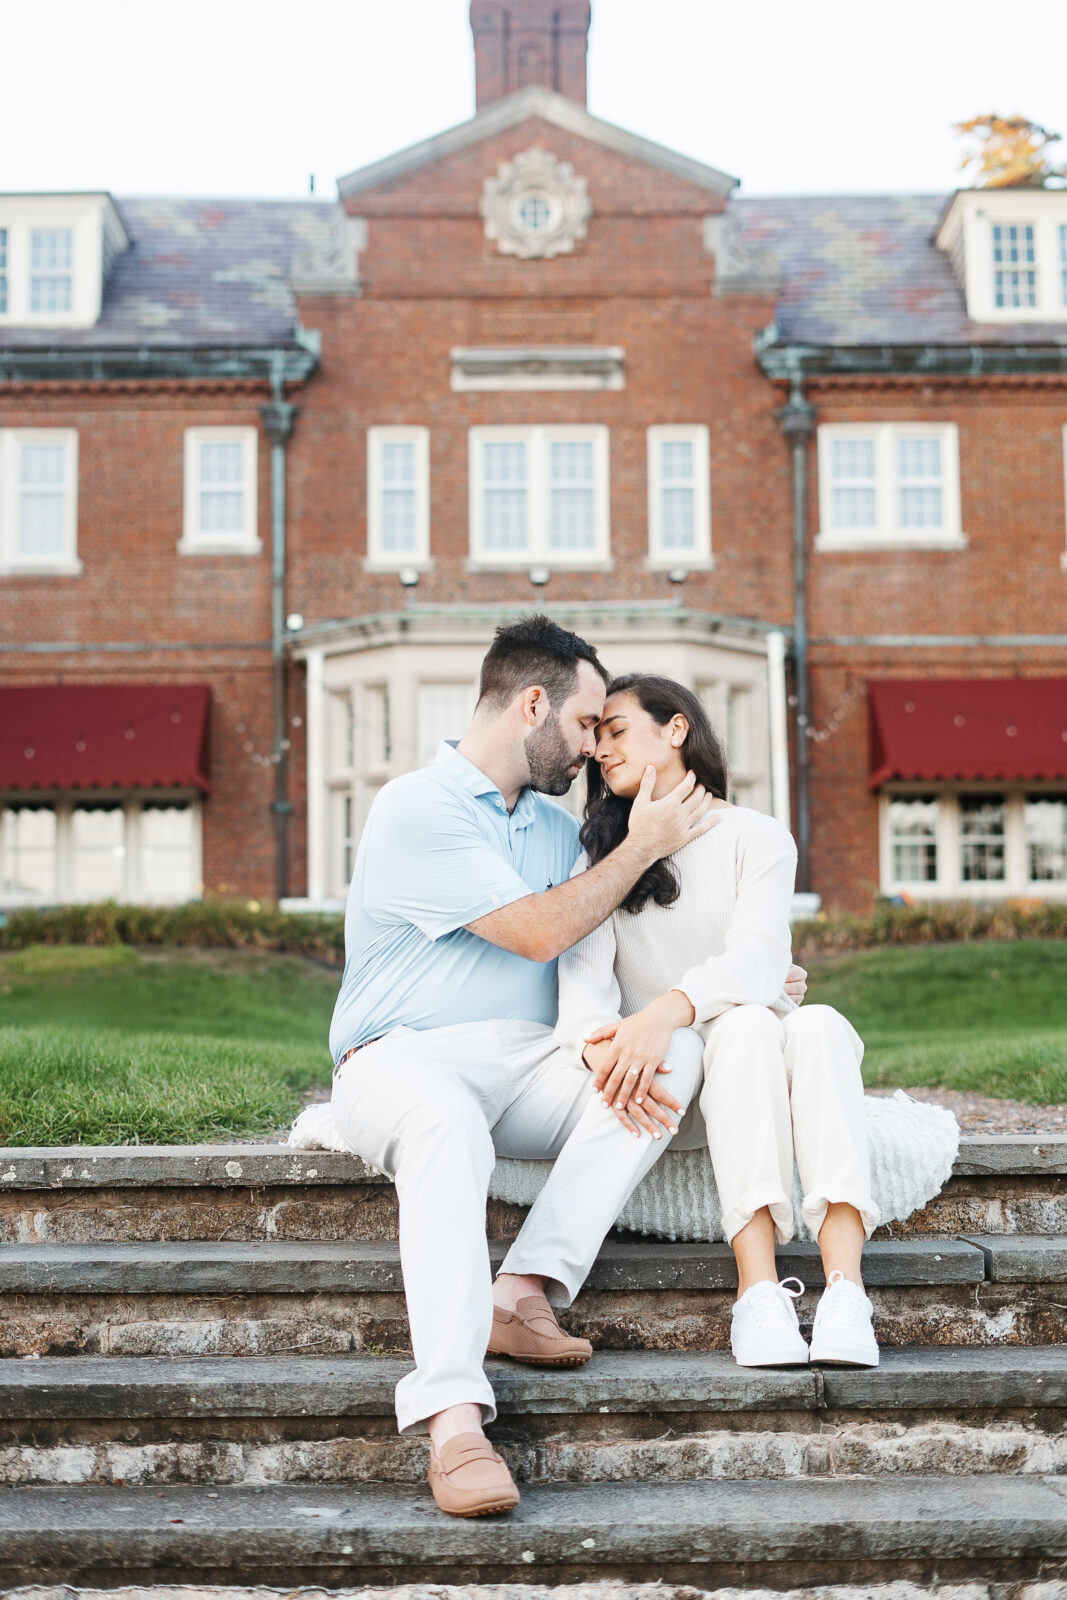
[523, 42]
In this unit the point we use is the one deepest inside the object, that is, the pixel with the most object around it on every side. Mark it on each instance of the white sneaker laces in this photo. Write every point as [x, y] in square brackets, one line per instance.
[767, 1309]
[850, 1308]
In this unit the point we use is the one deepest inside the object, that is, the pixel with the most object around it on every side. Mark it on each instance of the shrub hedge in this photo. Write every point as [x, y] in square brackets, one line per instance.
[247, 925]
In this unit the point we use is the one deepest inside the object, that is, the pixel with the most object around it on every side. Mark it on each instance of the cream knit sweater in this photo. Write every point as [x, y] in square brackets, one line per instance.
[736, 888]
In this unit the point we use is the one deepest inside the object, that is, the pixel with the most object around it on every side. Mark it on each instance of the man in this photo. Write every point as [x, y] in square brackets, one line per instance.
[461, 902]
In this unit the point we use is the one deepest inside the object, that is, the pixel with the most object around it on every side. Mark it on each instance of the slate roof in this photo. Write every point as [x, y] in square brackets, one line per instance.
[199, 273]
[864, 270]
[857, 270]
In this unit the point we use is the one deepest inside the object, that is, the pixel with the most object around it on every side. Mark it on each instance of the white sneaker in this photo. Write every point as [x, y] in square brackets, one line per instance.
[843, 1332]
[764, 1331]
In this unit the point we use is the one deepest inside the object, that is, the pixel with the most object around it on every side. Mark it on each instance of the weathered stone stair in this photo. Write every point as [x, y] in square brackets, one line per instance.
[214, 1335]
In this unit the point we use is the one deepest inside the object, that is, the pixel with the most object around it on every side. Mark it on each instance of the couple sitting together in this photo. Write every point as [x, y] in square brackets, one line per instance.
[674, 1018]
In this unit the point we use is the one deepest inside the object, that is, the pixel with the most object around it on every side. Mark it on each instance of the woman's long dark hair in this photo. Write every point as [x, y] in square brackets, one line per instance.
[607, 815]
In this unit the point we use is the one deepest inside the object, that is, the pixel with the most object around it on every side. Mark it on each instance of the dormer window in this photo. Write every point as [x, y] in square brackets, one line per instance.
[1009, 250]
[51, 269]
[1014, 265]
[55, 255]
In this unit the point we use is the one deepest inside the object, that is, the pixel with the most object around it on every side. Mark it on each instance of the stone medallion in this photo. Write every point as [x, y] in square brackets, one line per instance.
[535, 206]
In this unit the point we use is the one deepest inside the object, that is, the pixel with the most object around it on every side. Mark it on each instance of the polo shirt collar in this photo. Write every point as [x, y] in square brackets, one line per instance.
[474, 780]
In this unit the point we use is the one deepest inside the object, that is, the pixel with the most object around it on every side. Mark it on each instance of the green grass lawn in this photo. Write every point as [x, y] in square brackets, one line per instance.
[107, 1045]
[103, 1045]
[985, 1017]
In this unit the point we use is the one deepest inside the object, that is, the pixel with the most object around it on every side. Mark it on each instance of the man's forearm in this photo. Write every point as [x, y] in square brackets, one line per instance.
[542, 926]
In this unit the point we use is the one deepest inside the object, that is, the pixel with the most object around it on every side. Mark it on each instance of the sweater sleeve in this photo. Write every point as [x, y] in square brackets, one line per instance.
[753, 967]
[588, 989]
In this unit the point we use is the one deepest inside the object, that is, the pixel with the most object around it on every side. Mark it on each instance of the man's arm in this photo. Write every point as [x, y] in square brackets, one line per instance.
[541, 926]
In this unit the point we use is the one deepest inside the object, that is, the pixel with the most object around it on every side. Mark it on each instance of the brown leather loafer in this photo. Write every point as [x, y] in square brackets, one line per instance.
[469, 1479]
[531, 1333]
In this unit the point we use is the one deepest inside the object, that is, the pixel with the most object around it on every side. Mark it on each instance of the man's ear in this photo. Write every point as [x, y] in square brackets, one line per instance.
[533, 704]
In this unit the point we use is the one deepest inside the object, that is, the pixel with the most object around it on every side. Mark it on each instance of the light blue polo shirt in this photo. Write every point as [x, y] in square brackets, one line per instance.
[439, 850]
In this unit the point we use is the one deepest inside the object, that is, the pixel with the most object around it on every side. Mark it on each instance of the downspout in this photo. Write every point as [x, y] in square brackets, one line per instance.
[797, 420]
[278, 424]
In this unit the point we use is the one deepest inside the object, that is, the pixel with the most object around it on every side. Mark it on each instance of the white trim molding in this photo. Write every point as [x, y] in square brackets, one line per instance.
[532, 367]
[398, 499]
[41, 492]
[679, 465]
[67, 243]
[232, 492]
[522, 481]
[879, 482]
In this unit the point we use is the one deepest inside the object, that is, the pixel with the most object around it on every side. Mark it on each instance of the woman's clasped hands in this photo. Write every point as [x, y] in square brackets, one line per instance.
[628, 1060]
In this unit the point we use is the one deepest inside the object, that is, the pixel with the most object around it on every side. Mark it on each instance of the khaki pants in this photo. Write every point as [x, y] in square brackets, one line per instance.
[778, 1089]
[434, 1109]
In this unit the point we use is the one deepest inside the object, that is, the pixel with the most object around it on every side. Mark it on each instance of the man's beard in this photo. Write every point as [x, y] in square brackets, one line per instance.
[550, 758]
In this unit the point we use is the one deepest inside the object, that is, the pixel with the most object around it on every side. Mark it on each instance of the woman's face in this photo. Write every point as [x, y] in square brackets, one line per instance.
[629, 740]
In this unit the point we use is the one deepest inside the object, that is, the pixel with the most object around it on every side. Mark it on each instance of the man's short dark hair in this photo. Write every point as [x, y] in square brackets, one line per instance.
[535, 651]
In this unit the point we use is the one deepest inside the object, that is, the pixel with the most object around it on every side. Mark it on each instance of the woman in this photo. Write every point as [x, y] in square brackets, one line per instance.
[702, 944]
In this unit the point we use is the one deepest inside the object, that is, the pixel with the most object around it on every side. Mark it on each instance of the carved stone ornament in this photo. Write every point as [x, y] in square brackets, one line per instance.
[535, 206]
[329, 262]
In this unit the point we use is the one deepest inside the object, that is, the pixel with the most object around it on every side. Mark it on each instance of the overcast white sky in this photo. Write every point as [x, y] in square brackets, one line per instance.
[249, 97]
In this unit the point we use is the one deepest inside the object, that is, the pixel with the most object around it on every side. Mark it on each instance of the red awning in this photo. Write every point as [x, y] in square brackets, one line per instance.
[104, 736]
[1006, 729]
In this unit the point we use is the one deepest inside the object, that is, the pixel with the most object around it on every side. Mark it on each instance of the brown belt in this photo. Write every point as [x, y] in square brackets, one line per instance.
[350, 1053]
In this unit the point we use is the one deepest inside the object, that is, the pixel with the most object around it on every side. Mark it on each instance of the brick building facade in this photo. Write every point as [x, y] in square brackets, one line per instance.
[793, 452]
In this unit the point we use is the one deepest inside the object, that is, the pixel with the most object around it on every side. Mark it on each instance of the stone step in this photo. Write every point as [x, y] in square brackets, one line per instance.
[281, 1297]
[628, 1416]
[1002, 1184]
[760, 1532]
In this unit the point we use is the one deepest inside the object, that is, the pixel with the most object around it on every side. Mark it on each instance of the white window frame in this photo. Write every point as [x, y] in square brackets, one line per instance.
[538, 441]
[888, 534]
[64, 803]
[65, 563]
[194, 540]
[949, 884]
[378, 558]
[699, 557]
[972, 218]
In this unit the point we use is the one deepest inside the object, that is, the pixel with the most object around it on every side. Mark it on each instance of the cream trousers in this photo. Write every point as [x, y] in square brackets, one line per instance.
[778, 1089]
[434, 1108]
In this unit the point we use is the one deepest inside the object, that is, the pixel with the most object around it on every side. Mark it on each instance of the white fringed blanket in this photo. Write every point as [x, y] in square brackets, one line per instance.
[912, 1148]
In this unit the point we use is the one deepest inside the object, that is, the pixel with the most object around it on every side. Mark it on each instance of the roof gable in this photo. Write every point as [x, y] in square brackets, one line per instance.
[520, 107]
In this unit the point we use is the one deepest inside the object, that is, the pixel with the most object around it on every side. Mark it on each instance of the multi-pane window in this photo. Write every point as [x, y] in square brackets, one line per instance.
[131, 849]
[913, 839]
[1046, 838]
[539, 495]
[679, 500]
[888, 483]
[3, 271]
[956, 843]
[1014, 265]
[398, 496]
[51, 269]
[38, 498]
[220, 489]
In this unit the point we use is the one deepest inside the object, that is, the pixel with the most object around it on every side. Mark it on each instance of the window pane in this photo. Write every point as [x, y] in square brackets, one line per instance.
[852, 469]
[677, 460]
[444, 710]
[398, 519]
[572, 513]
[913, 839]
[1014, 260]
[920, 508]
[398, 461]
[51, 261]
[98, 845]
[1046, 838]
[679, 518]
[222, 500]
[167, 854]
[982, 838]
[505, 508]
[28, 862]
[42, 499]
[1063, 262]
[920, 458]
[3, 270]
[379, 738]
